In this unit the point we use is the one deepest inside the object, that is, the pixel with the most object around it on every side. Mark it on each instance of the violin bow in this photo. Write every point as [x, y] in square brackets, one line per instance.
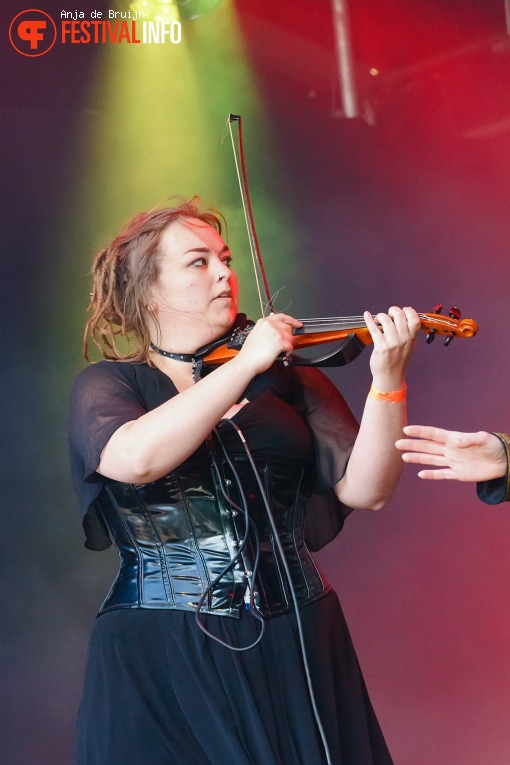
[256, 256]
[351, 346]
[323, 329]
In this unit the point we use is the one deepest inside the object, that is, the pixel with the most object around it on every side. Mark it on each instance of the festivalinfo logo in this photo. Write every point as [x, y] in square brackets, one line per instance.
[34, 32]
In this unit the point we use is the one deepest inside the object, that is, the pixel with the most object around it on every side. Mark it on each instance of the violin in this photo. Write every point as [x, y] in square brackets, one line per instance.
[351, 331]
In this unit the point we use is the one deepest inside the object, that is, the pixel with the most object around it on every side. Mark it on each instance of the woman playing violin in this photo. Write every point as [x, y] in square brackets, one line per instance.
[203, 483]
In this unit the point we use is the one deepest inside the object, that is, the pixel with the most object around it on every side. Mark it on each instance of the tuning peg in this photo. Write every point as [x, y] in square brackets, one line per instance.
[448, 339]
[454, 313]
[432, 332]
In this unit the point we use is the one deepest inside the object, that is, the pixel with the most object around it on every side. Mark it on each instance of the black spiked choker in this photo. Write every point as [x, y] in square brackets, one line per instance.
[190, 358]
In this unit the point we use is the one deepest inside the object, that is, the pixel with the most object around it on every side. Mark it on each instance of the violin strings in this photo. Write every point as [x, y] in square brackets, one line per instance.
[331, 319]
[346, 320]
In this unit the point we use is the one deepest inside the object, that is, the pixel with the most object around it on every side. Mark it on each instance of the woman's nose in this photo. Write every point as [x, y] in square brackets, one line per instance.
[224, 272]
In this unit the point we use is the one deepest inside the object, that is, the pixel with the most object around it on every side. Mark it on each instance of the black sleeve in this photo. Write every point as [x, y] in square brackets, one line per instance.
[332, 423]
[498, 490]
[492, 492]
[334, 429]
[104, 397]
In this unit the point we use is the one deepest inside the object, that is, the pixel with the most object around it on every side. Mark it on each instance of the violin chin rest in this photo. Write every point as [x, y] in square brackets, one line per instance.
[348, 350]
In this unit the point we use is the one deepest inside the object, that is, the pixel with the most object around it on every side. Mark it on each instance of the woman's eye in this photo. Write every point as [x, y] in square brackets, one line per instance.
[198, 262]
[228, 261]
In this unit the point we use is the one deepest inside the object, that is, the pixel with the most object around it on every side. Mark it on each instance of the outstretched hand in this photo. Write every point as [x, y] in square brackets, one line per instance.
[457, 456]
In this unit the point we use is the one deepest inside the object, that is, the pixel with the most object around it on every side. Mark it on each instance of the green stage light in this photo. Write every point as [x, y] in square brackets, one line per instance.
[156, 10]
[173, 10]
[154, 126]
[193, 9]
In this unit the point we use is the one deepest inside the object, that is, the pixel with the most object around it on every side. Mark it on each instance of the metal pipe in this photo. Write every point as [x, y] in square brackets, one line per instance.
[345, 65]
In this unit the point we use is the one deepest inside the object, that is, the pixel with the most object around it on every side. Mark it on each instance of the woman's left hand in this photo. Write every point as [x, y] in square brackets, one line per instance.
[393, 335]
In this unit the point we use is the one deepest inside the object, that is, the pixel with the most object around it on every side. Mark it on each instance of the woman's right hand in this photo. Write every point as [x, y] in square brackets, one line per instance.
[459, 456]
[270, 337]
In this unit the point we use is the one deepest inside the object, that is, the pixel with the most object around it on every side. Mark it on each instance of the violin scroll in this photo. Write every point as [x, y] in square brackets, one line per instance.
[451, 326]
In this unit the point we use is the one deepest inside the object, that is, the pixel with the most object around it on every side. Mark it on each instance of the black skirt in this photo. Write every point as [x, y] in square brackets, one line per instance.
[160, 692]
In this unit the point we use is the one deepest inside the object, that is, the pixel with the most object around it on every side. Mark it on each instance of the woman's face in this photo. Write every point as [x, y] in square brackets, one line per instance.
[196, 286]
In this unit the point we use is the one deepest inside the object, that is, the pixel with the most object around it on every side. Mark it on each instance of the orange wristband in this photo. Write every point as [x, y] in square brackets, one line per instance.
[392, 397]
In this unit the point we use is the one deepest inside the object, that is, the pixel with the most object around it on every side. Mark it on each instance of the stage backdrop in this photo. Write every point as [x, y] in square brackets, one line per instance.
[406, 205]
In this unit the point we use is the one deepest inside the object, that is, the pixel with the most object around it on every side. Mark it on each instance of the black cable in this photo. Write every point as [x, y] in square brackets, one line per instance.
[287, 574]
[233, 561]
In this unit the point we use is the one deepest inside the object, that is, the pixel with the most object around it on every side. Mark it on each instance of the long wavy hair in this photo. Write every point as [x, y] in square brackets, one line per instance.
[124, 274]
